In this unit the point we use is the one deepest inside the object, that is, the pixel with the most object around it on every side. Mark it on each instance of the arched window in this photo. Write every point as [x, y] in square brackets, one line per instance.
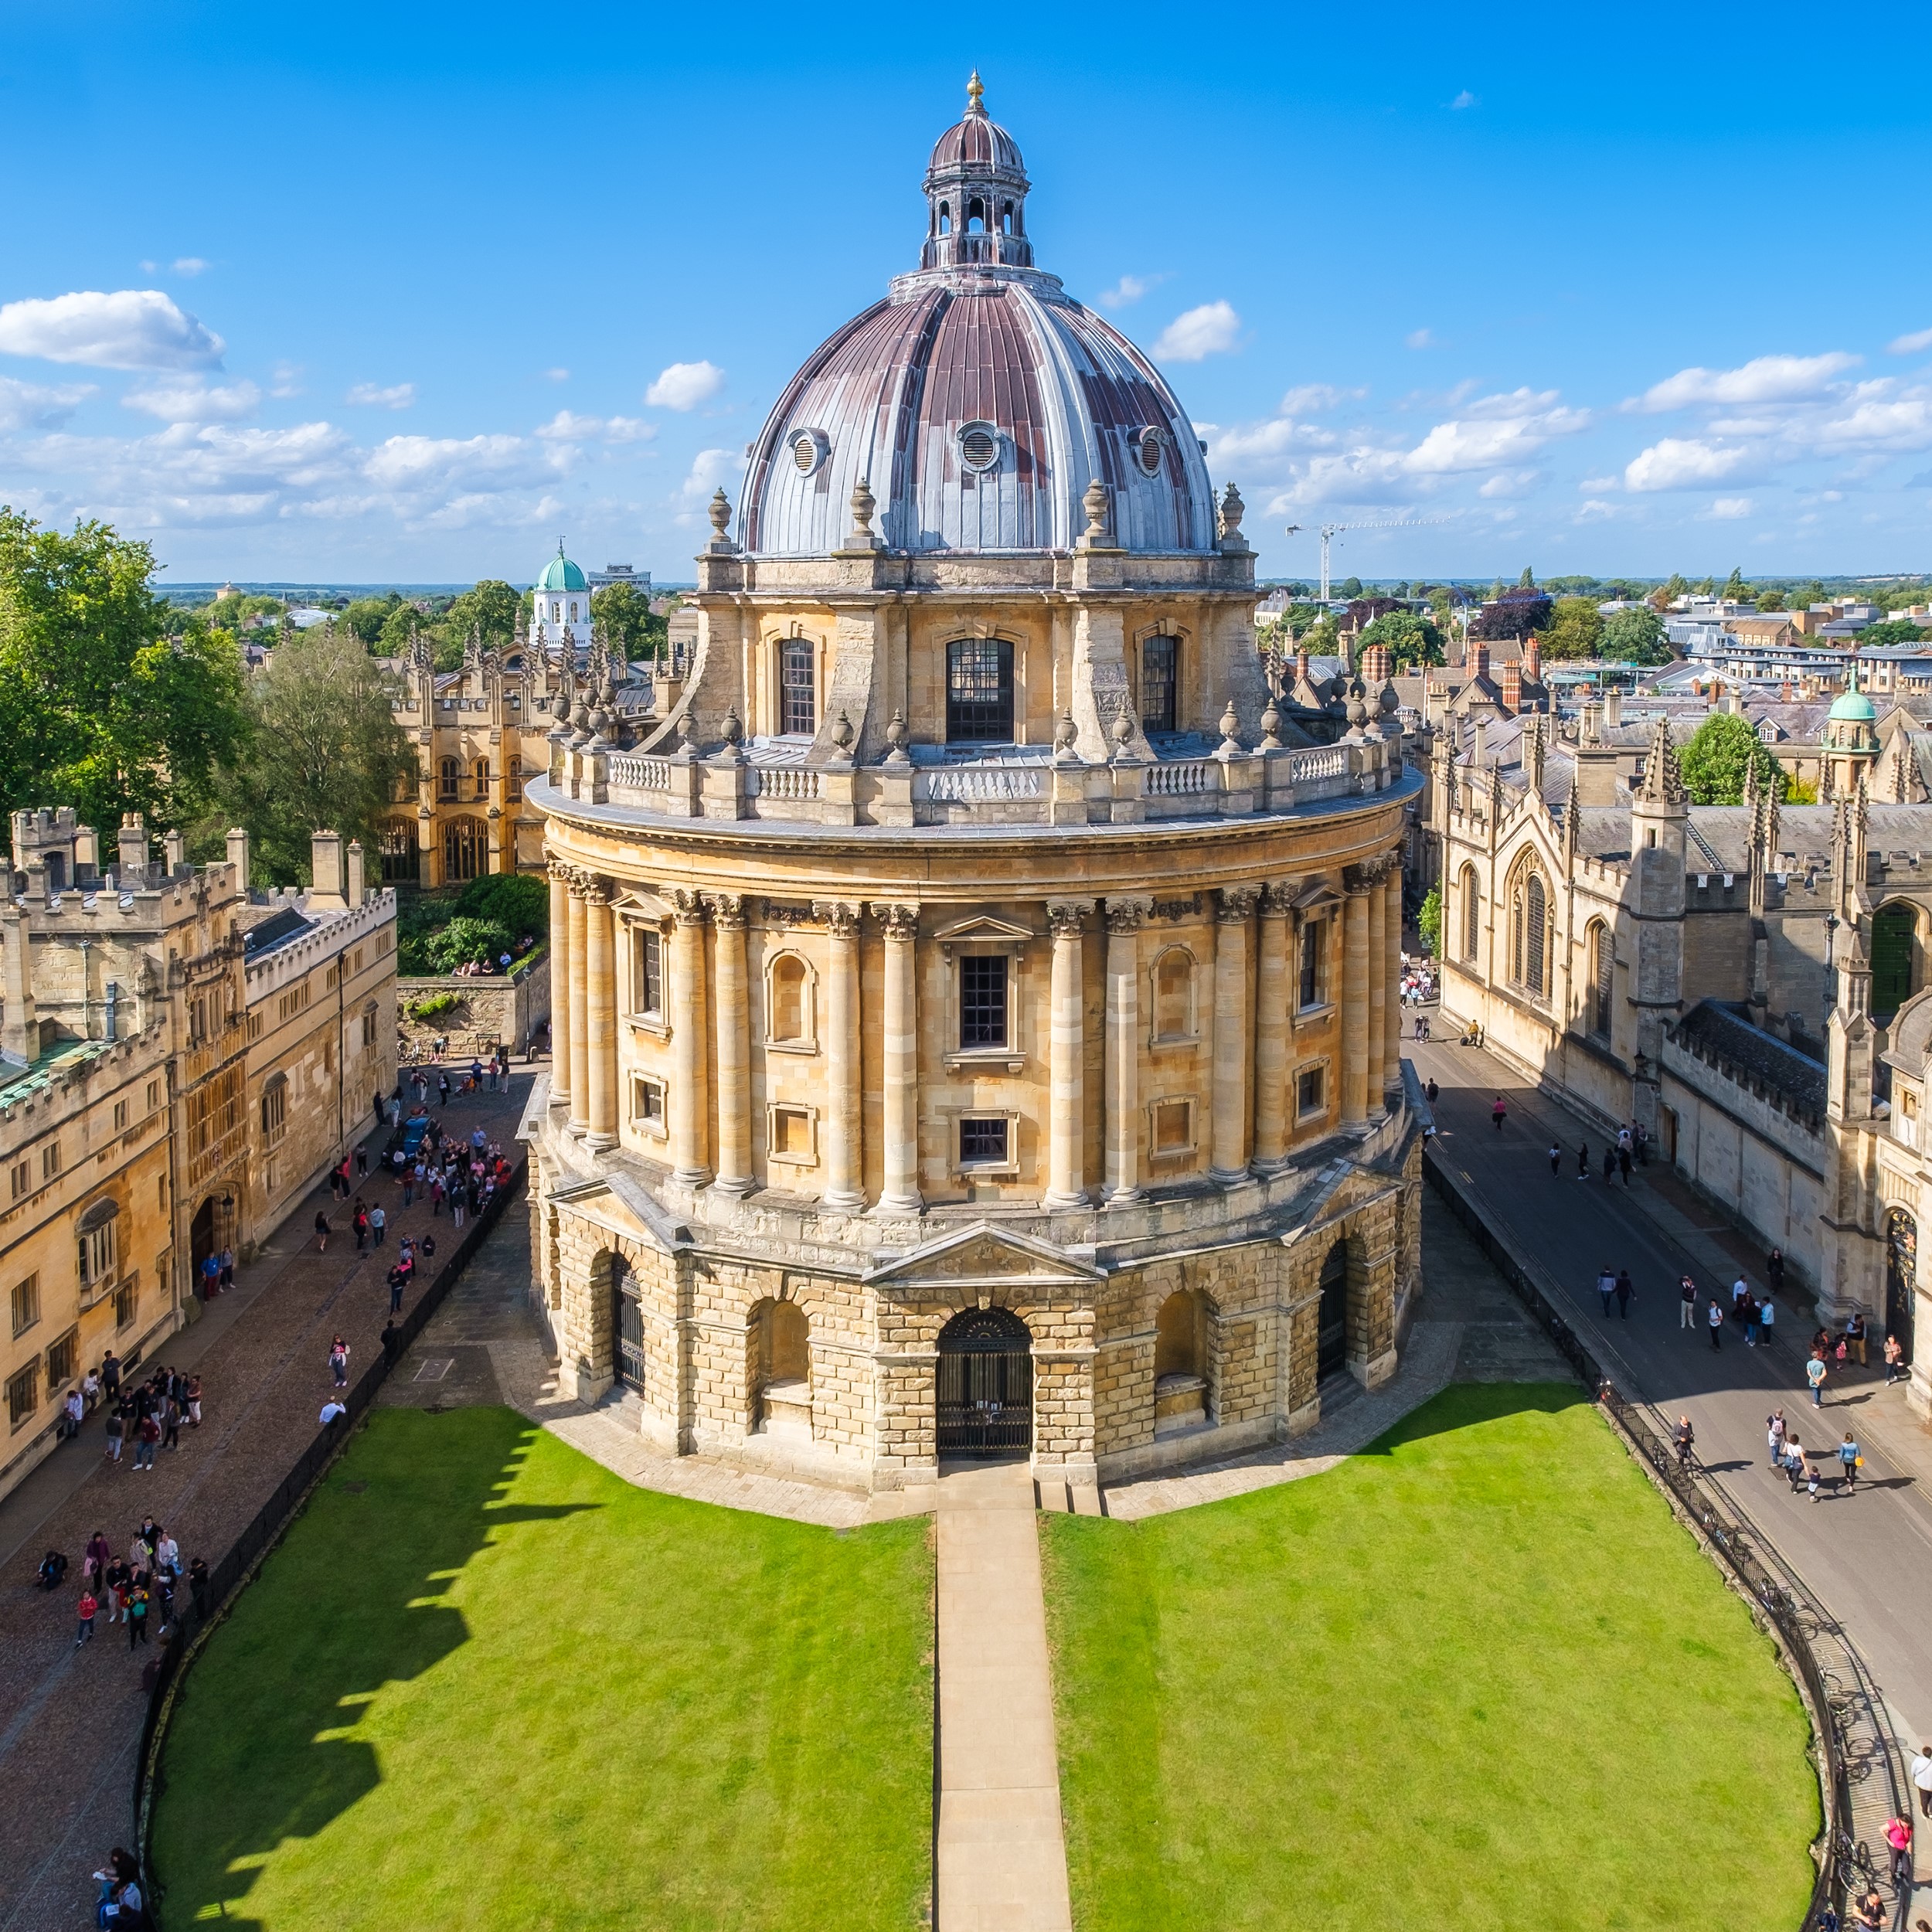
[945, 218]
[1006, 218]
[98, 1246]
[401, 854]
[465, 849]
[789, 1000]
[275, 1108]
[1603, 967]
[1529, 933]
[979, 691]
[482, 776]
[1893, 929]
[1177, 1337]
[797, 687]
[1160, 684]
[449, 780]
[1471, 914]
[1174, 995]
[513, 775]
[975, 215]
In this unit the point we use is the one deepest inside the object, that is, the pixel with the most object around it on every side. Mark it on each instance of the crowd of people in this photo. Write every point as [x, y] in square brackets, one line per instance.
[145, 1417]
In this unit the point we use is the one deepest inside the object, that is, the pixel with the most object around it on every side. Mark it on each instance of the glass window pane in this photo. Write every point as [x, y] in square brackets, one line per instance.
[982, 1001]
[979, 691]
[1159, 661]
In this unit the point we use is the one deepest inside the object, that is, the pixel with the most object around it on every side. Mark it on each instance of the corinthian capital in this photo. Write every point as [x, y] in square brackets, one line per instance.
[900, 922]
[840, 918]
[1064, 916]
[1237, 903]
[727, 910]
[688, 907]
[1126, 915]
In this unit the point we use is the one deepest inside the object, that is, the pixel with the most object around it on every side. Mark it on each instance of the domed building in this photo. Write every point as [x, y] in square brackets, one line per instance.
[980, 1035]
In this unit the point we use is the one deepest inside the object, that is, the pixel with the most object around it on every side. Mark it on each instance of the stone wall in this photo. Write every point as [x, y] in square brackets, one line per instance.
[494, 1010]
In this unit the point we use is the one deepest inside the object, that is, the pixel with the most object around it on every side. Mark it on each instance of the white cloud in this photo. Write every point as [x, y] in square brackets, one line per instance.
[1877, 420]
[1728, 509]
[1686, 463]
[190, 265]
[710, 471]
[1212, 329]
[1310, 398]
[629, 429]
[445, 464]
[556, 376]
[1506, 483]
[1129, 289]
[1596, 486]
[1766, 378]
[286, 379]
[1910, 344]
[1418, 338]
[684, 385]
[1465, 99]
[567, 426]
[186, 399]
[1495, 433]
[1595, 510]
[131, 328]
[398, 396]
[36, 406]
[1254, 444]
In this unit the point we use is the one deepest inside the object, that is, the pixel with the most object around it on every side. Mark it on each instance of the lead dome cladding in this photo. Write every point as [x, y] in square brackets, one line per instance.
[978, 400]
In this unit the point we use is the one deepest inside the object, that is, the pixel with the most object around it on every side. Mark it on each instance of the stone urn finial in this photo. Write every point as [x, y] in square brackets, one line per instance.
[721, 513]
[895, 737]
[863, 504]
[842, 735]
[1230, 730]
[731, 730]
[1066, 736]
[1121, 731]
[1271, 727]
[1232, 510]
[1096, 503]
[687, 728]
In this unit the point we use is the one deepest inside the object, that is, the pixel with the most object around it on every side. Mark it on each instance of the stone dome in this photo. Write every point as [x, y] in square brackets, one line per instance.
[978, 401]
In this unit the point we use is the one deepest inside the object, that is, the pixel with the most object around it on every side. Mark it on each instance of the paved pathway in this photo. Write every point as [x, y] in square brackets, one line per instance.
[1867, 1557]
[1001, 1854]
[70, 1721]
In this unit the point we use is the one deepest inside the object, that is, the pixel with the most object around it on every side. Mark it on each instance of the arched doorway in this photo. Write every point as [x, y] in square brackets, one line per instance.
[985, 1385]
[466, 850]
[627, 1325]
[1893, 927]
[201, 1236]
[1901, 1276]
[1332, 1327]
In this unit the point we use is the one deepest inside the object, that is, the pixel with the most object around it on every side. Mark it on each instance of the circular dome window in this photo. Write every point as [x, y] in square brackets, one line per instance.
[979, 446]
[1147, 446]
[809, 449]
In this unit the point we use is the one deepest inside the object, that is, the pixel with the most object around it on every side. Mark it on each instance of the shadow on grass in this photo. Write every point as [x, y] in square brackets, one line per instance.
[1464, 1405]
[315, 1637]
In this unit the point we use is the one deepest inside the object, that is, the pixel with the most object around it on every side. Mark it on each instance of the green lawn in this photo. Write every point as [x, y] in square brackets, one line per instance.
[1476, 1677]
[485, 1683]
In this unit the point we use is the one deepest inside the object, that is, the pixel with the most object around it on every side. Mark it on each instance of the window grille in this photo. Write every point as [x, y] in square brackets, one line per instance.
[979, 691]
[797, 687]
[982, 1000]
[1160, 660]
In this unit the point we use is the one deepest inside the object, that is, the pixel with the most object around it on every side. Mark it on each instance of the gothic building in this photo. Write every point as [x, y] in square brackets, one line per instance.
[974, 1029]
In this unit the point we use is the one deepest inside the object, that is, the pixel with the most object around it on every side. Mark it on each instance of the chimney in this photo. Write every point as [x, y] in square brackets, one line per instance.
[20, 1040]
[238, 856]
[134, 851]
[1512, 688]
[1532, 660]
[87, 856]
[325, 865]
[1476, 747]
[1301, 664]
[176, 847]
[1591, 732]
[1612, 707]
[1478, 659]
[356, 892]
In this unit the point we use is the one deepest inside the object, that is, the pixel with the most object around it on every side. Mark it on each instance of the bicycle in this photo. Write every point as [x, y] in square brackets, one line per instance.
[1853, 1858]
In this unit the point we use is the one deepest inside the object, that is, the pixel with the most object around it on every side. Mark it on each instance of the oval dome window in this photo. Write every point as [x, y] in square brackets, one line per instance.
[979, 446]
[808, 450]
[1147, 450]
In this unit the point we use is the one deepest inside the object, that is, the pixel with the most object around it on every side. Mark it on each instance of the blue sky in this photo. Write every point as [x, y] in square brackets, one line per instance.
[406, 292]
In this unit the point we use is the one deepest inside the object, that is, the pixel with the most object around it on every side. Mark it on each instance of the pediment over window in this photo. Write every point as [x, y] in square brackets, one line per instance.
[984, 931]
[983, 1255]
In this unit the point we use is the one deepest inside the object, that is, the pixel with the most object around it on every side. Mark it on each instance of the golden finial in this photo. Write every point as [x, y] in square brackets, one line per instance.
[974, 93]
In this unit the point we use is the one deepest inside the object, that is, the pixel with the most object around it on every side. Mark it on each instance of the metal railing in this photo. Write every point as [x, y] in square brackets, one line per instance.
[1730, 1545]
[195, 1617]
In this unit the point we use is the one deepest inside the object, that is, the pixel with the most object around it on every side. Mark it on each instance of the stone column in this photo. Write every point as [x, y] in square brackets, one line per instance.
[845, 1128]
[732, 1028]
[688, 1030]
[1391, 972]
[580, 1083]
[1271, 1035]
[1232, 1044]
[1123, 917]
[1067, 1058]
[1354, 1000]
[1378, 993]
[561, 1027]
[600, 1025]
[901, 1194]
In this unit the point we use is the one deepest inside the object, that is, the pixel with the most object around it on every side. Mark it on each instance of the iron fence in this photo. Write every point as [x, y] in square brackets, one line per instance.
[196, 1614]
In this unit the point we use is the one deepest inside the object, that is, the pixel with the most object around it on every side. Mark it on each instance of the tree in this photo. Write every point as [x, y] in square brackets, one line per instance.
[398, 630]
[1770, 600]
[1321, 639]
[110, 702]
[625, 614]
[326, 752]
[1715, 761]
[1635, 637]
[1514, 615]
[490, 609]
[1429, 920]
[1528, 581]
[1413, 639]
[1892, 630]
[366, 616]
[1667, 593]
[1576, 628]
[1734, 590]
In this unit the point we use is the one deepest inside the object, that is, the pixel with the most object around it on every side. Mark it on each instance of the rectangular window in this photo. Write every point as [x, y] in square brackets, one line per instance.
[647, 992]
[1311, 1090]
[26, 1304]
[63, 1359]
[50, 1160]
[979, 691]
[982, 1001]
[294, 1001]
[274, 1111]
[797, 687]
[97, 1248]
[513, 773]
[369, 1026]
[121, 1117]
[20, 1178]
[154, 1095]
[647, 1103]
[449, 780]
[1159, 697]
[23, 1396]
[983, 1143]
[1173, 1127]
[1314, 963]
[127, 1299]
[791, 1133]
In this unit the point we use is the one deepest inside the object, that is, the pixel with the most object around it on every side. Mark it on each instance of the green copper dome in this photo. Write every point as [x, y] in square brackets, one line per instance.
[1851, 706]
[561, 574]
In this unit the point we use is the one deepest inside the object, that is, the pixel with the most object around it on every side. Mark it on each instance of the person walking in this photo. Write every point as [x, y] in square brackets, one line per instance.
[378, 1224]
[1625, 1289]
[1767, 1320]
[1898, 1835]
[1774, 1269]
[1686, 1303]
[1919, 1771]
[193, 1392]
[1774, 1437]
[1556, 1160]
[1582, 1160]
[137, 1610]
[110, 1376]
[1606, 1287]
[95, 1559]
[1498, 1113]
[1753, 1309]
[1609, 1162]
[338, 1362]
[85, 1610]
[443, 1089]
[1714, 1322]
[171, 1425]
[116, 1431]
[1855, 1333]
[362, 1160]
[1894, 1358]
[1814, 1373]
[321, 1232]
[1850, 1459]
[1623, 1163]
[1793, 1462]
[147, 1438]
[398, 1278]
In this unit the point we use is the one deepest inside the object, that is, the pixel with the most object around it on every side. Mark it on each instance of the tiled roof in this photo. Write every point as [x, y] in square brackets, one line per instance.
[1718, 1031]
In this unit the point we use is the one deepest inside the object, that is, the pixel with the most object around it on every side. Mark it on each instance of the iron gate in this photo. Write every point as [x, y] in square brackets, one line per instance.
[628, 1323]
[985, 1385]
[1331, 1333]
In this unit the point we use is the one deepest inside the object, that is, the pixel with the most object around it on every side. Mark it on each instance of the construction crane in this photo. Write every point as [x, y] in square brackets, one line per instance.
[1330, 531]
